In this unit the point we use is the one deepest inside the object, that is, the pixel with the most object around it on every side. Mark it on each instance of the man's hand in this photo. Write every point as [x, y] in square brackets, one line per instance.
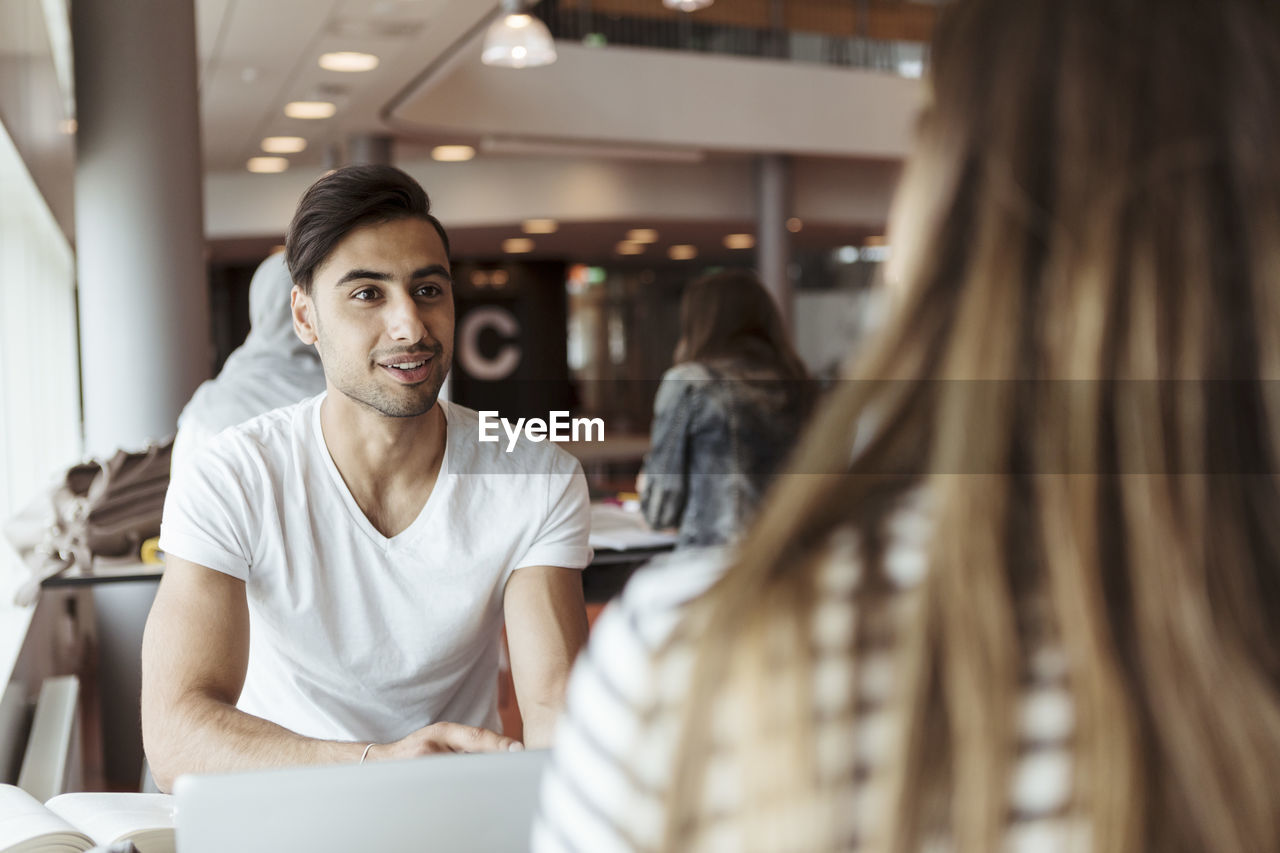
[443, 737]
[195, 653]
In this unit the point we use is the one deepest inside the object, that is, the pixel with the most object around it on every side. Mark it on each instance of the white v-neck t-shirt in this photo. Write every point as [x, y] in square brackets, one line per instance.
[353, 635]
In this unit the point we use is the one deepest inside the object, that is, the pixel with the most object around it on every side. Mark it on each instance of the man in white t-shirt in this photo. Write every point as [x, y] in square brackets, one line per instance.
[338, 572]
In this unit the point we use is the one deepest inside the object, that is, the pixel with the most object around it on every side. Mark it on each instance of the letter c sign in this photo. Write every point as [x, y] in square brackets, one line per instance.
[476, 363]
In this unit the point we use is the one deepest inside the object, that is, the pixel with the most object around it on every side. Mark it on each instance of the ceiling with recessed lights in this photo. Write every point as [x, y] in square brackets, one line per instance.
[288, 84]
[256, 56]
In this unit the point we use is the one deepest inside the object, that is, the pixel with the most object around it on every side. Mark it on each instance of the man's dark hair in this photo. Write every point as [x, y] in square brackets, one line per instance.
[344, 200]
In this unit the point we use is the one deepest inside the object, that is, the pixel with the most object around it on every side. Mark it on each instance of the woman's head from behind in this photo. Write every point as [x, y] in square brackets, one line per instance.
[1090, 225]
[1090, 176]
[729, 314]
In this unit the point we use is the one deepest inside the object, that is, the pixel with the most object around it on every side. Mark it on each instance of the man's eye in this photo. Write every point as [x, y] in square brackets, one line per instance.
[430, 290]
[365, 294]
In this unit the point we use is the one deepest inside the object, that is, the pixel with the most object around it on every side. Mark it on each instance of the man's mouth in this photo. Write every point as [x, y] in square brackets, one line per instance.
[409, 369]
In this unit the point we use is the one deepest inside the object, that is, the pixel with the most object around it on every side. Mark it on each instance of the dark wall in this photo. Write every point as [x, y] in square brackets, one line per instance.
[228, 308]
[509, 344]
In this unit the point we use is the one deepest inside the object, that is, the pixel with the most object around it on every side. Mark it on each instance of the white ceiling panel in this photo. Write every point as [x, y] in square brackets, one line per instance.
[257, 55]
[22, 30]
[247, 78]
[210, 18]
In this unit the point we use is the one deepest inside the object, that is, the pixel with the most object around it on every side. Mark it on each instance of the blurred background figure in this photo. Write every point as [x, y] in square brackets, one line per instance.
[1036, 609]
[726, 415]
[272, 368]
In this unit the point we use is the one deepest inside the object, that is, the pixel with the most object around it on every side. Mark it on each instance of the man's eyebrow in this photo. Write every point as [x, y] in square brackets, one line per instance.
[362, 274]
[434, 269]
[357, 275]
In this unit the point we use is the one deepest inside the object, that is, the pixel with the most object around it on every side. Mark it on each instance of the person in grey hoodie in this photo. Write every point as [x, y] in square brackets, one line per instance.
[272, 368]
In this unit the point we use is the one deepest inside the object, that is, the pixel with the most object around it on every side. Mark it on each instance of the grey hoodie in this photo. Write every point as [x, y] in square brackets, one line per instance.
[272, 368]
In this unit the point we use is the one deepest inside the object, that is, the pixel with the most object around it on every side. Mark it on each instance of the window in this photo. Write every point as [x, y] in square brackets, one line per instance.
[39, 362]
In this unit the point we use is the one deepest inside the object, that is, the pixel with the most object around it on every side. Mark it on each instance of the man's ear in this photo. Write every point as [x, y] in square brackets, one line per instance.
[304, 325]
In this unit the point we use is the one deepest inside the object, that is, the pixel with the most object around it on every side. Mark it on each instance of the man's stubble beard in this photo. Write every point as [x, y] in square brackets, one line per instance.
[408, 405]
[417, 400]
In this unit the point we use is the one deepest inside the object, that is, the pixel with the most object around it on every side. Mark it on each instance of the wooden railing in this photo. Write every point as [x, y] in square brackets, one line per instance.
[890, 35]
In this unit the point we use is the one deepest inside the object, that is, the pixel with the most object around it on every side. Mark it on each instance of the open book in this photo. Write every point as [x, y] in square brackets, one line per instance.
[71, 823]
[618, 529]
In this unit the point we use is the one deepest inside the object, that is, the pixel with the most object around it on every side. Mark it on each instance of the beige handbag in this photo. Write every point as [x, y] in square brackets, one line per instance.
[95, 510]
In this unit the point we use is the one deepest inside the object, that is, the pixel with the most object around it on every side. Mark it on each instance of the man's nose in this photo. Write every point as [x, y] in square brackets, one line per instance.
[404, 319]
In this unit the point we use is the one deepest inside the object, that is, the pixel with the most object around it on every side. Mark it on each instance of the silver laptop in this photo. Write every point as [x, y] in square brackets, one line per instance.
[476, 802]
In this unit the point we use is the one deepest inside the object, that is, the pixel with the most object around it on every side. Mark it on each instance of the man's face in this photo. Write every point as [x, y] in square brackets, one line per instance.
[381, 316]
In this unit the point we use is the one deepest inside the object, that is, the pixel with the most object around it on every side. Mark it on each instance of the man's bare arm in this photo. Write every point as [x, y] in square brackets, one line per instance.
[195, 653]
[546, 627]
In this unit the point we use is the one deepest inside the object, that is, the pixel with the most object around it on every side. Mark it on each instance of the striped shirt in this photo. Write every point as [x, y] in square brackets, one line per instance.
[612, 761]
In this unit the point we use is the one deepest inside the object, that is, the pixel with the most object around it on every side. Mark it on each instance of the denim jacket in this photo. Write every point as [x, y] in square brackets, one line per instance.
[721, 429]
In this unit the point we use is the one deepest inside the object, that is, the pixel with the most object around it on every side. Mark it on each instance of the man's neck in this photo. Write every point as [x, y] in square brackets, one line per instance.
[379, 455]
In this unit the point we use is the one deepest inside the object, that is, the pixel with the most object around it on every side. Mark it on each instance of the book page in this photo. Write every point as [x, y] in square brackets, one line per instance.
[28, 827]
[144, 819]
[621, 530]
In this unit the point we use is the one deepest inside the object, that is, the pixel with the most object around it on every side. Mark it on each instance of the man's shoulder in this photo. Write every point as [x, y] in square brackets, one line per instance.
[276, 425]
[261, 438]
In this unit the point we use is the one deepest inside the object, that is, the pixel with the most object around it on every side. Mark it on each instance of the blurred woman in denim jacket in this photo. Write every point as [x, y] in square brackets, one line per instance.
[726, 415]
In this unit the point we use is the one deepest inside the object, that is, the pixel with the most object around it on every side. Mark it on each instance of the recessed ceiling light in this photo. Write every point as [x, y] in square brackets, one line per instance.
[739, 241]
[284, 144]
[540, 226]
[642, 235]
[627, 247]
[517, 245]
[682, 252]
[794, 224]
[348, 60]
[452, 153]
[267, 164]
[489, 278]
[68, 127]
[310, 109]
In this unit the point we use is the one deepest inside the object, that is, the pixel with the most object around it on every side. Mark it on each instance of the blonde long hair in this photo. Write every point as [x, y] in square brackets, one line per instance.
[1081, 374]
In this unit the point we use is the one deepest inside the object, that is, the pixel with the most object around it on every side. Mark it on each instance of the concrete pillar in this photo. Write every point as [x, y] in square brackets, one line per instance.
[144, 304]
[369, 149]
[773, 240]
